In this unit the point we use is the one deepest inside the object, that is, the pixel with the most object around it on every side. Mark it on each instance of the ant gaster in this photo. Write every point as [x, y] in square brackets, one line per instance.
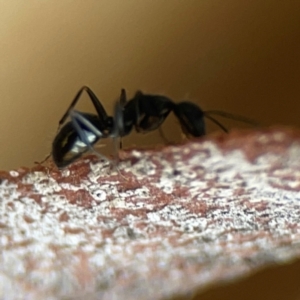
[143, 112]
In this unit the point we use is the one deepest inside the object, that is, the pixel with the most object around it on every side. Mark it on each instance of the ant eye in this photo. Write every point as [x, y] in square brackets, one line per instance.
[164, 111]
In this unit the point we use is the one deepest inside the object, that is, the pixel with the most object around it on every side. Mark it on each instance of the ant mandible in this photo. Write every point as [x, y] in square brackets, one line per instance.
[144, 112]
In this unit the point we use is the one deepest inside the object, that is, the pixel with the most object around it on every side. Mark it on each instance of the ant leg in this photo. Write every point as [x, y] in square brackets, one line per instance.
[77, 119]
[164, 138]
[123, 101]
[118, 128]
[96, 102]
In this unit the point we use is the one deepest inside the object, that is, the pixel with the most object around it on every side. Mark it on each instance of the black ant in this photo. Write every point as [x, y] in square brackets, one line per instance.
[143, 112]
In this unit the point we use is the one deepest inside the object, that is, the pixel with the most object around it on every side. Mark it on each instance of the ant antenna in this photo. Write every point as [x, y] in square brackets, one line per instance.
[216, 122]
[45, 159]
[230, 116]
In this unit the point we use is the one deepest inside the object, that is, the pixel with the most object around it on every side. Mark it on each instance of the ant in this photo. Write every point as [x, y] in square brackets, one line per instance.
[144, 112]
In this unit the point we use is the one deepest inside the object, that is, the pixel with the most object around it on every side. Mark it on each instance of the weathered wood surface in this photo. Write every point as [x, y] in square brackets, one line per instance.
[170, 222]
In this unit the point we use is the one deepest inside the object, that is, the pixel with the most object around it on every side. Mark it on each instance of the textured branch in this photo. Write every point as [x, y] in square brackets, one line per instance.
[168, 222]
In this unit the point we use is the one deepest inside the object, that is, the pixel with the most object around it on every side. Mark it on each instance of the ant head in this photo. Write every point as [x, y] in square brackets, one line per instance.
[151, 110]
[77, 137]
[63, 146]
[191, 118]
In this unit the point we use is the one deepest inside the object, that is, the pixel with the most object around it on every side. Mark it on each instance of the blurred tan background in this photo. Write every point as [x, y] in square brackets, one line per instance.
[238, 56]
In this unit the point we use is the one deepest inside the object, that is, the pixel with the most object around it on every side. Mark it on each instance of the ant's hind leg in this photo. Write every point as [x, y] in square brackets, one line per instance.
[118, 130]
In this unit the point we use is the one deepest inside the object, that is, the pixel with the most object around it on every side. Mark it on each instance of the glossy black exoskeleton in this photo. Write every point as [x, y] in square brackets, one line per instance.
[143, 112]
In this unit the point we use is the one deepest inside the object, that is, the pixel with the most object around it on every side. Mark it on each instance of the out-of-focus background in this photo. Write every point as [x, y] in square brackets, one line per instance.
[239, 56]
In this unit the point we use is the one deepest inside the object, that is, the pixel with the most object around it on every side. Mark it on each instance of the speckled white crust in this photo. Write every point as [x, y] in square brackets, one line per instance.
[166, 222]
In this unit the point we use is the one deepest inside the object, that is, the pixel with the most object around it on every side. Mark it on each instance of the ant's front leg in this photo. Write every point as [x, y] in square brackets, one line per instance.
[87, 132]
[96, 102]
